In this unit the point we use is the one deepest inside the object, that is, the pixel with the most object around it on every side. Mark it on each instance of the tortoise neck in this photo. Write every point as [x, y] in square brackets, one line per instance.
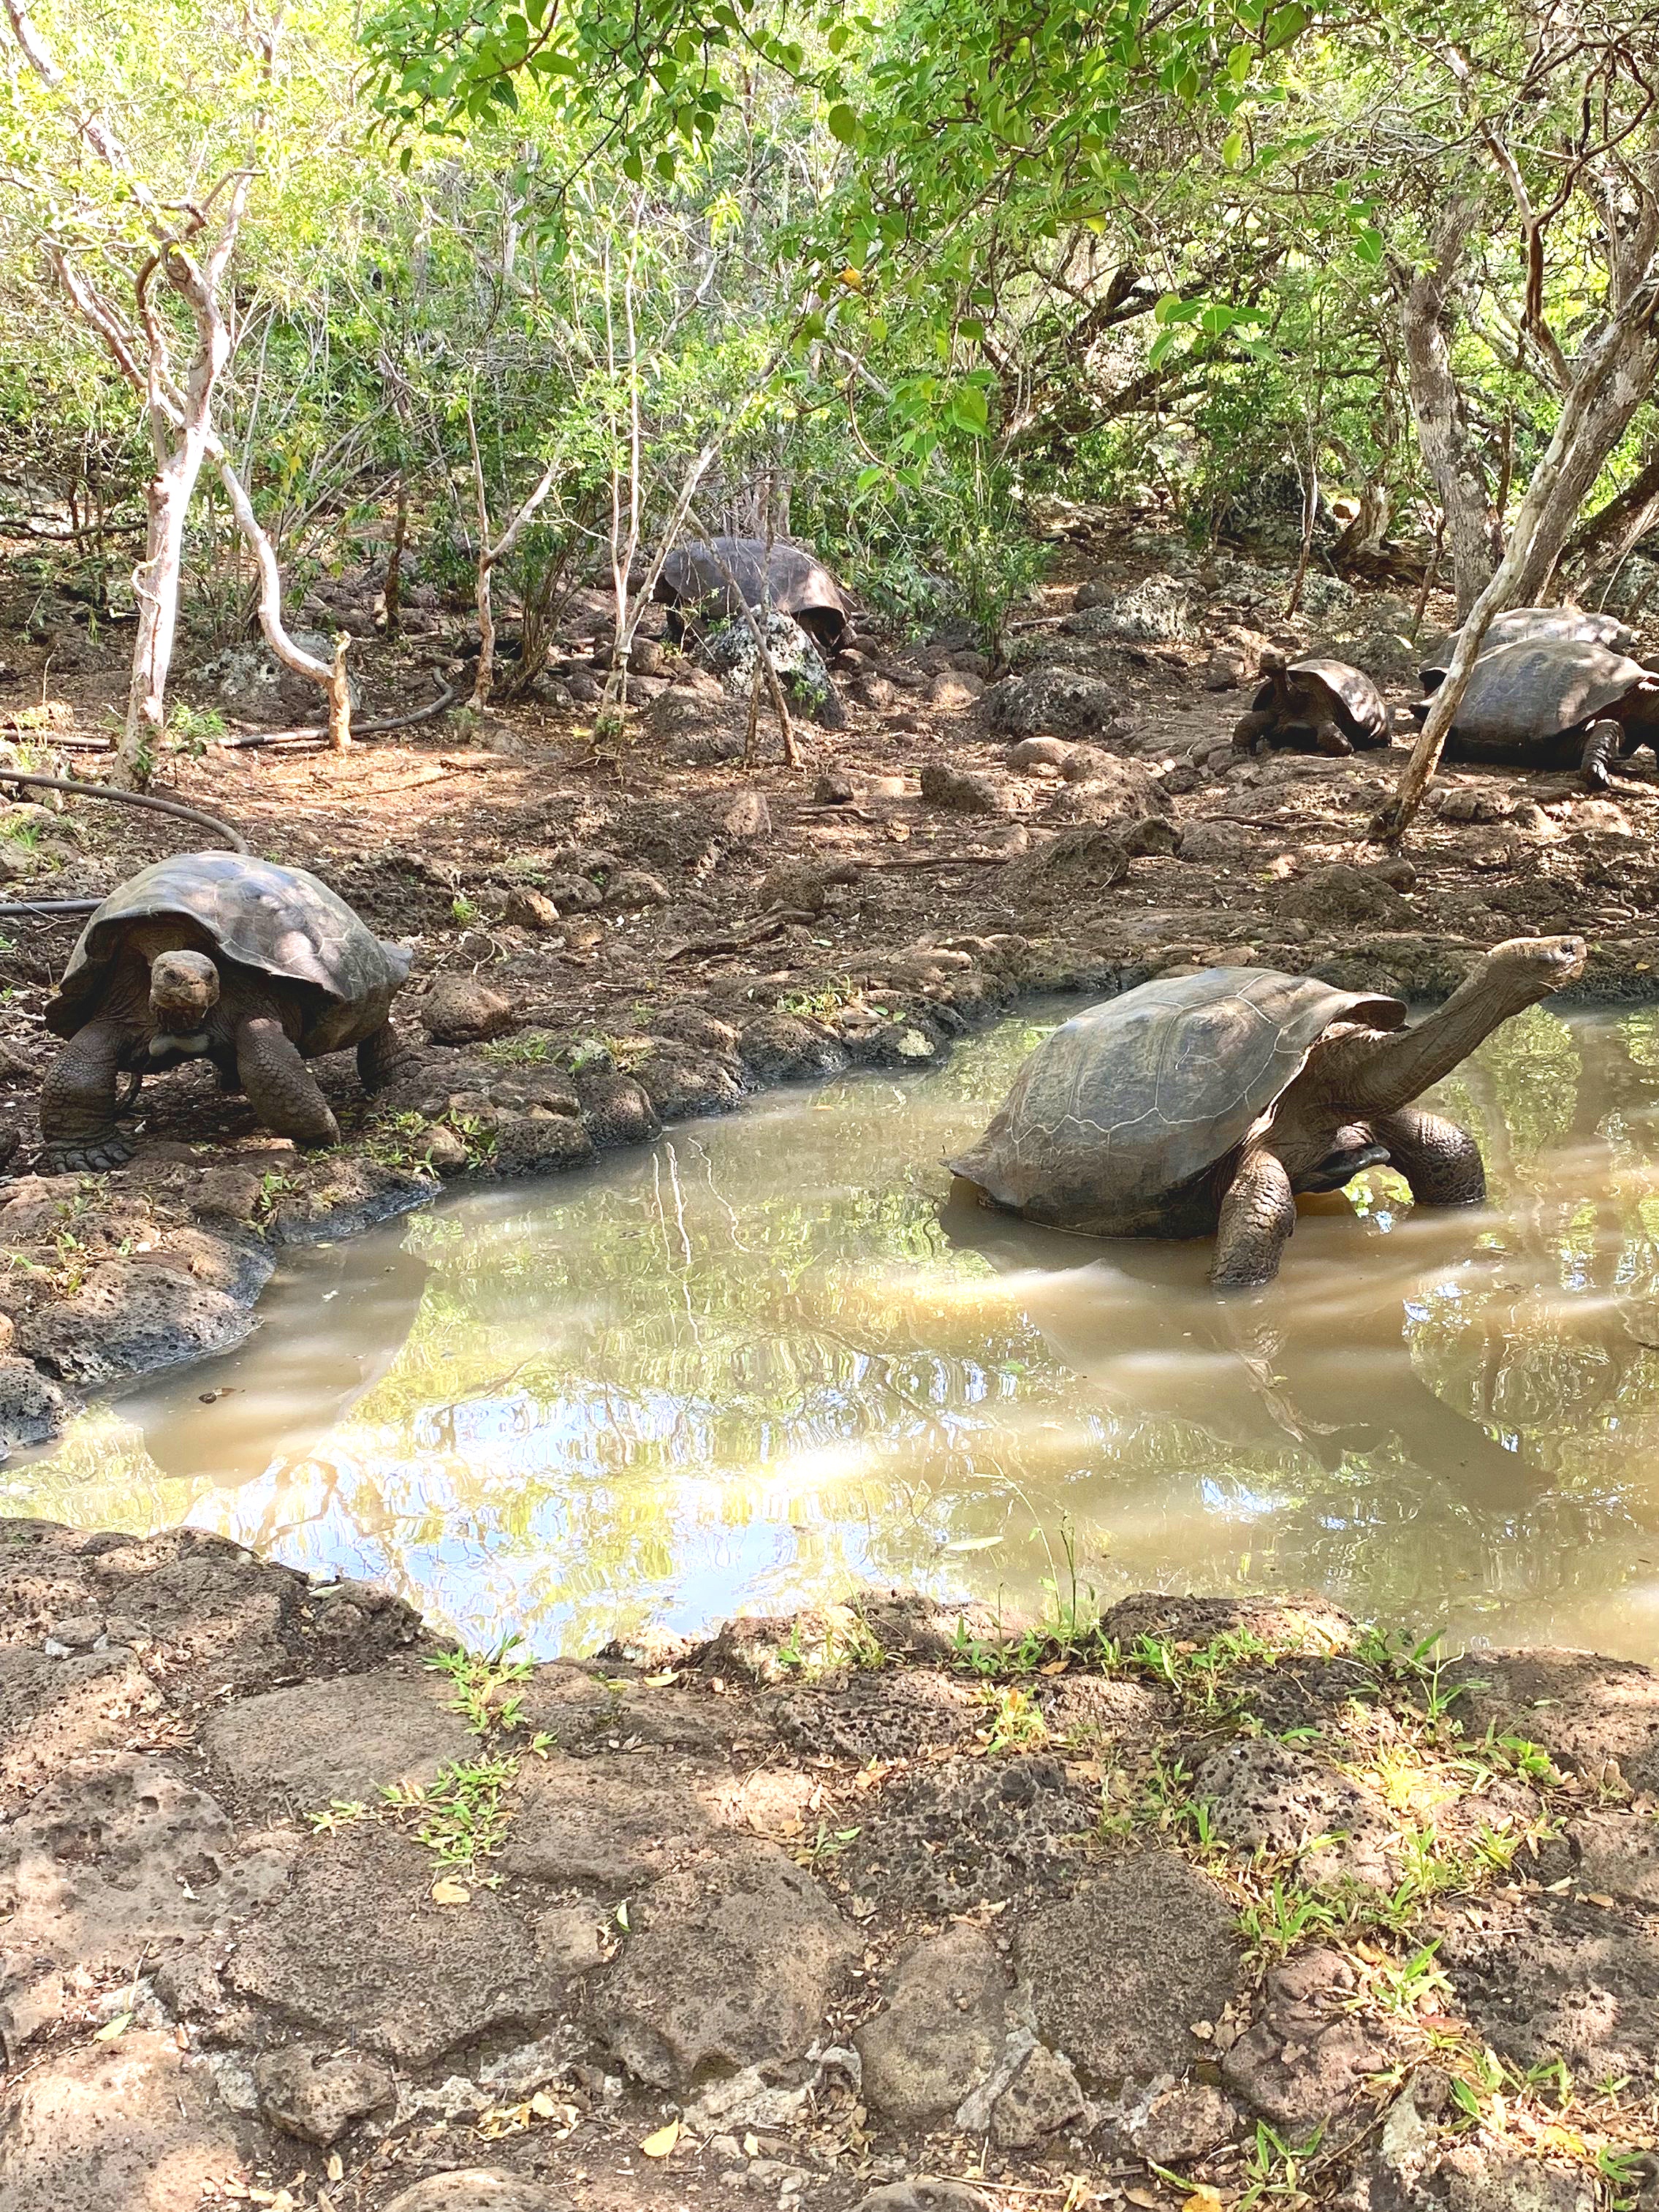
[1378, 1072]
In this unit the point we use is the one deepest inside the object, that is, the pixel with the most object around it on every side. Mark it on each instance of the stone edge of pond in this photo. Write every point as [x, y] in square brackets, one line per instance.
[161, 1263]
[888, 1904]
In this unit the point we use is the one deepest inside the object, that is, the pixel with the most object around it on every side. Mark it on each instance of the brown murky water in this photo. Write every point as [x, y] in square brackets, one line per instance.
[766, 1362]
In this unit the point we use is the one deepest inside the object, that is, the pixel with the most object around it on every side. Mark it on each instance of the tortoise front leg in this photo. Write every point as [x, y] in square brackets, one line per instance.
[1441, 1162]
[280, 1087]
[1257, 1217]
[78, 1102]
[382, 1057]
[1250, 734]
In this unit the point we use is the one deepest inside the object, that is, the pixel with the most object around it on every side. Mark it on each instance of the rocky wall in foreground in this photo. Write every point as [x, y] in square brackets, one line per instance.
[1218, 1903]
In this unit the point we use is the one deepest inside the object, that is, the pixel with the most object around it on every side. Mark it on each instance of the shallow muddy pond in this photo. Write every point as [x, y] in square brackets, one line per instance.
[768, 1361]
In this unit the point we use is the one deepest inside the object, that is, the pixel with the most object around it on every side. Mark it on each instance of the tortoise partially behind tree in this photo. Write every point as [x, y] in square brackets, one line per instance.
[219, 956]
[1204, 1104]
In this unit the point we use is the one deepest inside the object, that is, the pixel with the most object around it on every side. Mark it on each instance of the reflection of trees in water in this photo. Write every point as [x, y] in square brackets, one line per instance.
[1559, 1344]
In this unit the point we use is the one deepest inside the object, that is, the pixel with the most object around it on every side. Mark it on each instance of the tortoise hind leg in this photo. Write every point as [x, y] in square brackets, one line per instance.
[1604, 744]
[1257, 1217]
[1329, 739]
[79, 1100]
[382, 1057]
[280, 1087]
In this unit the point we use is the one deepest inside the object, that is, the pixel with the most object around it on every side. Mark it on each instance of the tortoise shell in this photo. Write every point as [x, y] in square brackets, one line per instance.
[1115, 1123]
[777, 575]
[276, 922]
[1330, 690]
[1536, 689]
[1516, 623]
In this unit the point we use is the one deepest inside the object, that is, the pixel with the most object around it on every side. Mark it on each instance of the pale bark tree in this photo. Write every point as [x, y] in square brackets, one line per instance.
[491, 557]
[191, 243]
[1427, 296]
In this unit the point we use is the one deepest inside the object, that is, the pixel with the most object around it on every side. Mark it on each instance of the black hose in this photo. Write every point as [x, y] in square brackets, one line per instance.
[21, 909]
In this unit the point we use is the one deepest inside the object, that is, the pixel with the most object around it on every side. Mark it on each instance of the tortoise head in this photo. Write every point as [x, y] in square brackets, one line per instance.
[1273, 668]
[183, 987]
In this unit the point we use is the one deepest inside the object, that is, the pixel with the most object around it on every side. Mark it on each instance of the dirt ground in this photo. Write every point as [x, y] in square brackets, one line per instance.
[1216, 1903]
[612, 935]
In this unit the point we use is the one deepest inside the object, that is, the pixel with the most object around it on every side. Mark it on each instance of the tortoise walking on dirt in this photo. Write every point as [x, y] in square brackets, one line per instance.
[217, 956]
[1203, 1103]
[1318, 705]
[1553, 702]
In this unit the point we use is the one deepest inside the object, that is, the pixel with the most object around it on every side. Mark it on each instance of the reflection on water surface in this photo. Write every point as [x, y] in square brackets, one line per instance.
[767, 1362]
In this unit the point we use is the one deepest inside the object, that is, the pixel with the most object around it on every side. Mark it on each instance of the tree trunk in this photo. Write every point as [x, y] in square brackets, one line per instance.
[1610, 379]
[1473, 534]
[1604, 538]
[1599, 394]
[167, 498]
[394, 566]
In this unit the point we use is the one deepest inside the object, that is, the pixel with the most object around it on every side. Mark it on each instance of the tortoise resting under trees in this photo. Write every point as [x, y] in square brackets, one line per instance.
[223, 957]
[1536, 624]
[794, 605]
[1554, 703]
[1203, 1105]
[1318, 705]
[697, 585]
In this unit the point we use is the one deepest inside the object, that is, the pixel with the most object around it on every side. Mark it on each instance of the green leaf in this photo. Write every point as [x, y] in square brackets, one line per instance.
[1368, 244]
[843, 124]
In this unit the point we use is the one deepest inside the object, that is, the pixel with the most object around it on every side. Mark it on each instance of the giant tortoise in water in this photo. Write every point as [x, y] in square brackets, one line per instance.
[1553, 702]
[1204, 1103]
[217, 956]
[1317, 704]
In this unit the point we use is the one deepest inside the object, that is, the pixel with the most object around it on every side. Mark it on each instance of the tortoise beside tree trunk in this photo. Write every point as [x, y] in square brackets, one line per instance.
[1203, 1105]
[1318, 704]
[1554, 701]
[223, 957]
[797, 608]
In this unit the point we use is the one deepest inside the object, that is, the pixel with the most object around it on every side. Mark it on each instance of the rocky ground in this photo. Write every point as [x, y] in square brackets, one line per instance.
[1208, 1905]
[614, 934]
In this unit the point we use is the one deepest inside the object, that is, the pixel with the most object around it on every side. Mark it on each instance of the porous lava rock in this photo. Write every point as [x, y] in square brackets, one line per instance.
[1565, 1979]
[939, 2033]
[461, 1010]
[1306, 2059]
[306, 1746]
[131, 2123]
[315, 2093]
[432, 1979]
[735, 1963]
[1119, 1973]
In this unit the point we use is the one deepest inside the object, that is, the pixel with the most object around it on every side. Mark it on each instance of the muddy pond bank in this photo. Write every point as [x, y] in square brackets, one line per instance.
[860, 1908]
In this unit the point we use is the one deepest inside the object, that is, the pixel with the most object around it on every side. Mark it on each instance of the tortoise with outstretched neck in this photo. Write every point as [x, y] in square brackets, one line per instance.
[217, 956]
[1203, 1105]
[1317, 704]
